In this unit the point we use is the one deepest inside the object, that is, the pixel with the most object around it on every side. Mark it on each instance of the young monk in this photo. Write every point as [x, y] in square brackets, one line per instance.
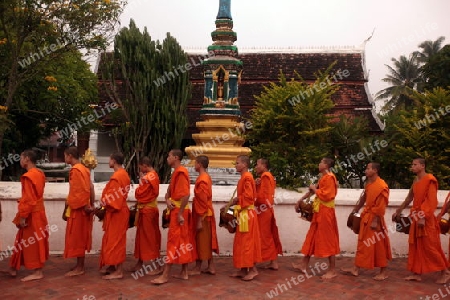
[79, 212]
[265, 192]
[425, 253]
[148, 234]
[373, 226]
[31, 221]
[322, 239]
[179, 244]
[247, 244]
[115, 223]
[203, 220]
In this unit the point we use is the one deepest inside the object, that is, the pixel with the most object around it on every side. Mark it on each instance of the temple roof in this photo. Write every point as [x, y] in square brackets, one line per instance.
[262, 66]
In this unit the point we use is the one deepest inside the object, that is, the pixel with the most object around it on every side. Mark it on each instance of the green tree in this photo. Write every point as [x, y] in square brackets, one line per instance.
[403, 79]
[437, 70]
[349, 139]
[34, 33]
[429, 49]
[154, 115]
[291, 127]
[422, 132]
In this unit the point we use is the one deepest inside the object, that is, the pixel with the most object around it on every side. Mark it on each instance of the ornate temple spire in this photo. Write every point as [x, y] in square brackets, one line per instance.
[224, 34]
[220, 110]
[224, 10]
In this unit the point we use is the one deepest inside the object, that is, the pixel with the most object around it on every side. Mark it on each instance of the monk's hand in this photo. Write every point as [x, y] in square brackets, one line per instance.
[23, 223]
[374, 223]
[199, 225]
[394, 216]
[88, 209]
[235, 200]
[421, 222]
[297, 205]
[170, 205]
[258, 181]
[180, 219]
[313, 188]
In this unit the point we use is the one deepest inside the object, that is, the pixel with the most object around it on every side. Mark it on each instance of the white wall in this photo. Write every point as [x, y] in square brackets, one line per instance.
[292, 229]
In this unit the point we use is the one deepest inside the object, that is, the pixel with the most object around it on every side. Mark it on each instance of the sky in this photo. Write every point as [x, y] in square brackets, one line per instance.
[398, 26]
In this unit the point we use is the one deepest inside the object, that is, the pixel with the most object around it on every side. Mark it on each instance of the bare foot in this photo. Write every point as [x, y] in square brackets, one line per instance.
[299, 267]
[155, 272]
[380, 277]
[238, 274]
[11, 272]
[134, 269]
[351, 271]
[181, 276]
[443, 279]
[194, 272]
[329, 275]
[209, 271]
[159, 280]
[273, 265]
[74, 272]
[34, 276]
[108, 270]
[114, 275]
[250, 275]
[414, 277]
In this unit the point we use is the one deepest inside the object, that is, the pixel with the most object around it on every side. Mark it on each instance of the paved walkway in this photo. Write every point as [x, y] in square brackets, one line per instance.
[220, 286]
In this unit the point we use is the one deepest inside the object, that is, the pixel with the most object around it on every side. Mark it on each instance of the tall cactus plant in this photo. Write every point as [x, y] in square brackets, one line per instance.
[153, 102]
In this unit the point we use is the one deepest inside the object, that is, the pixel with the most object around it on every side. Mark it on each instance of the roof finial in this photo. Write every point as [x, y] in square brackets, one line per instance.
[224, 10]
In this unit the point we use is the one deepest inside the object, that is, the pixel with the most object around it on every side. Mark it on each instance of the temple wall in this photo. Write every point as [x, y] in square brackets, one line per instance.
[292, 229]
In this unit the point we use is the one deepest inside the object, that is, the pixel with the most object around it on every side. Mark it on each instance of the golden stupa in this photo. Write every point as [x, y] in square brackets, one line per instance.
[220, 136]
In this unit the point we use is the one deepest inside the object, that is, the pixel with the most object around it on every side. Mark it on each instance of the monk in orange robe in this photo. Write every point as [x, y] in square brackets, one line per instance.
[425, 253]
[374, 248]
[148, 235]
[115, 223]
[322, 239]
[265, 192]
[203, 220]
[78, 212]
[31, 248]
[247, 240]
[179, 245]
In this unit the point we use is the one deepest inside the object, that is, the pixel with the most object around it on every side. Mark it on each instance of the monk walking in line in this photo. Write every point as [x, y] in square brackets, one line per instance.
[115, 223]
[31, 248]
[425, 253]
[179, 245]
[247, 243]
[265, 192]
[322, 239]
[148, 235]
[78, 213]
[203, 220]
[374, 249]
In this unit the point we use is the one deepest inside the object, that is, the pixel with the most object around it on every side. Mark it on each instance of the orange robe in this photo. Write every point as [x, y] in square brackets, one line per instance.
[374, 248]
[179, 245]
[322, 239]
[268, 229]
[148, 234]
[31, 248]
[115, 223]
[79, 223]
[247, 244]
[425, 251]
[206, 238]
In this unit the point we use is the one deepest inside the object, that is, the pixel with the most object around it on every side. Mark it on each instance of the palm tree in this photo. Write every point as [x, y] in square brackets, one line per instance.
[403, 78]
[429, 49]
